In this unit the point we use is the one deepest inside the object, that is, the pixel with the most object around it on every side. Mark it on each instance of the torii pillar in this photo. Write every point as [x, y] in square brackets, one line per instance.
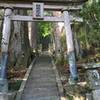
[4, 49]
[70, 48]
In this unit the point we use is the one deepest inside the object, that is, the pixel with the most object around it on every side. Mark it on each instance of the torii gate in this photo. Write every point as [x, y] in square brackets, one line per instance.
[38, 9]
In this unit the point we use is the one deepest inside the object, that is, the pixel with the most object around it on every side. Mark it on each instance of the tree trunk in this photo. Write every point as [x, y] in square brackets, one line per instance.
[1, 27]
[15, 42]
[57, 35]
[20, 48]
[33, 34]
[76, 41]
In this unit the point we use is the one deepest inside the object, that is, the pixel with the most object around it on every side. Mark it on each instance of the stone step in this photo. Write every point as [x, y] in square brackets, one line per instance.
[44, 76]
[43, 69]
[41, 85]
[42, 73]
[48, 78]
[47, 85]
[41, 98]
[43, 91]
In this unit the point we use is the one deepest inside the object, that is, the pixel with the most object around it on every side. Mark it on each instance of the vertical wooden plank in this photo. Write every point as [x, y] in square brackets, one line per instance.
[70, 47]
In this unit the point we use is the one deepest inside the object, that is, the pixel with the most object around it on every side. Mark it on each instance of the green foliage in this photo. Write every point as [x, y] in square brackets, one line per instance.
[91, 15]
[61, 60]
[45, 28]
[44, 34]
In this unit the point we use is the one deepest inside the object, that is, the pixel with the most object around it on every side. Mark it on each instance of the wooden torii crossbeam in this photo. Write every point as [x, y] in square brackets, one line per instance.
[48, 19]
[46, 7]
[60, 5]
[50, 2]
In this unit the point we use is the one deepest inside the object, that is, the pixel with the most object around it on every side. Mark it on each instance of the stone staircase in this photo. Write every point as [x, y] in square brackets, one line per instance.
[41, 84]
